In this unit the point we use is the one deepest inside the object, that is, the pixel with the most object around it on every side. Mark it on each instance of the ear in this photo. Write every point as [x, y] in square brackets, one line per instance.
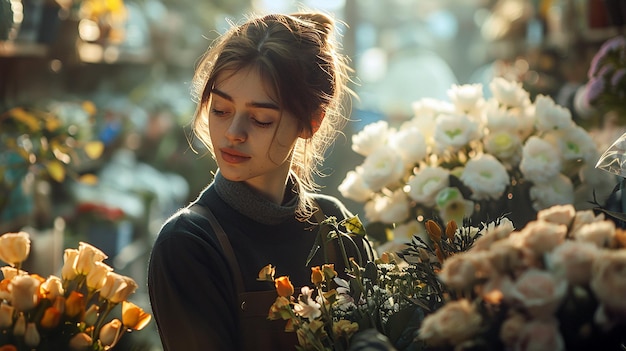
[316, 122]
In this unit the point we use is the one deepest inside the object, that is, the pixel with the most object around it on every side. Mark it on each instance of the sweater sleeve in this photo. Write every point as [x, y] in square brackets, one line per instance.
[191, 291]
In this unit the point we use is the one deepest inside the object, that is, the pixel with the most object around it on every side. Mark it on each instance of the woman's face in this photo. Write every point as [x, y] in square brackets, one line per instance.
[252, 138]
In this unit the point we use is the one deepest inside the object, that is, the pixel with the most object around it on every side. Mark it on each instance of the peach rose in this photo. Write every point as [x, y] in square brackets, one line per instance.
[541, 237]
[24, 292]
[558, 214]
[463, 270]
[455, 322]
[540, 335]
[608, 280]
[539, 292]
[572, 260]
[599, 233]
[511, 329]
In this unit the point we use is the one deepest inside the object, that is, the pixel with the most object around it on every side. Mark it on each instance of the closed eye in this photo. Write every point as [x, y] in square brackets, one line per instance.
[262, 124]
[217, 112]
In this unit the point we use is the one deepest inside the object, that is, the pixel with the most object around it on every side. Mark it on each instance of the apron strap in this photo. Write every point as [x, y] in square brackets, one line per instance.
[224, 242]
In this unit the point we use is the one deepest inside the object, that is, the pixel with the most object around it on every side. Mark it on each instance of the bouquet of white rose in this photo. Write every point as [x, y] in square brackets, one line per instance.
[473, 158]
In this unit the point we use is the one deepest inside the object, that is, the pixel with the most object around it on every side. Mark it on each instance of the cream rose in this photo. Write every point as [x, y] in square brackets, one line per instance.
[599, 233]
[558, 214]
[24, 292]
[463, 270]
[455, 322]
[541, 236]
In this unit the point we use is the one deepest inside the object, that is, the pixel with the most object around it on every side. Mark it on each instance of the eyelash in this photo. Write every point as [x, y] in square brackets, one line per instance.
[220, 113]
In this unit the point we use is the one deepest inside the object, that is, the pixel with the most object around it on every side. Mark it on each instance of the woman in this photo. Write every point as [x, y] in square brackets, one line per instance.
[270, 95]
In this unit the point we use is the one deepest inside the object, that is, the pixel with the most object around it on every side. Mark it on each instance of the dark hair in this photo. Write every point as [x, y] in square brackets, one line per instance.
[297, 57]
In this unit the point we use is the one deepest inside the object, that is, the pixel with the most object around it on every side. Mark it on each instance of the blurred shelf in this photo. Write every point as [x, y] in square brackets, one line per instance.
[22, 49]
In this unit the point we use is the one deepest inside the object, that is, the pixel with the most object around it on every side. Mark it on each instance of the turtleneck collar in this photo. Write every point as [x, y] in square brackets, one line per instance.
[251, 204]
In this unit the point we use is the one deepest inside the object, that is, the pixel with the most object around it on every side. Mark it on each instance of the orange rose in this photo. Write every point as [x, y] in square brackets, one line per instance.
[75, 304]
[283, 286]
[316, 275]
[8, 348]
[51, 318]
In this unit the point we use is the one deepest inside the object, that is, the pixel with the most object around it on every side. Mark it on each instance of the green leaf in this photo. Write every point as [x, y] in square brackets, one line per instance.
[354, 225]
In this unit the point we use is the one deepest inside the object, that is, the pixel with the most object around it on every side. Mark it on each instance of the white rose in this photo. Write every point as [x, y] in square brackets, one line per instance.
[509, 93]
[556, 191]
[353, 187]
[455, 131]
[372, 137]
[574, 144]
[426, 183]
[466, 97]
[381, 168]
[541, 236]
[410, 144]
[550, 116]
[540, 161]
[485, 176]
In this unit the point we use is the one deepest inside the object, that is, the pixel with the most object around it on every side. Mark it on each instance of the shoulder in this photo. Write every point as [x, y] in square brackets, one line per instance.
[186, 227]
[331, 206]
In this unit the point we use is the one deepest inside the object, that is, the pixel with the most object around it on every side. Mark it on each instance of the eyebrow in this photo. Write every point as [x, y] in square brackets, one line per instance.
[256, 104]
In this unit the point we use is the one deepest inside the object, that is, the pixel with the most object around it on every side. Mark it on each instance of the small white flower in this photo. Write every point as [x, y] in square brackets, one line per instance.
[504, 145]
[431, 107]
[558, 190]
[466, 97]
[485, 176]
[455, 131]
[353, 187]
[392, 209]
[410, 143]
[550, 116]
[381, 168]
[540, 162]
[426, 183]
[453, 206]
[372, 137]
[509, 93]
[498, 118]
[307, 307]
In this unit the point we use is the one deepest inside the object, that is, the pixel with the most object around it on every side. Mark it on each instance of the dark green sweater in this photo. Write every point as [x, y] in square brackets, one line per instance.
[191, 290]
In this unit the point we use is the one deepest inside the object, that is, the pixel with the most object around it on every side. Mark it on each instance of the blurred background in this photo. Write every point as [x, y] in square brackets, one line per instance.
[95, 94]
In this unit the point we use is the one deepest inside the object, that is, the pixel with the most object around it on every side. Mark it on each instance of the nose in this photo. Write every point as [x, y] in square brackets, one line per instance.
[236, 131]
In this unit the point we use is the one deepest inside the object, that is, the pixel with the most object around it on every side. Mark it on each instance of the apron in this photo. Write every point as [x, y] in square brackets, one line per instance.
[256, 331]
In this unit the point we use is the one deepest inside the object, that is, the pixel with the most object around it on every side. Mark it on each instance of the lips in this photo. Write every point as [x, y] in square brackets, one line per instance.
[233, 156]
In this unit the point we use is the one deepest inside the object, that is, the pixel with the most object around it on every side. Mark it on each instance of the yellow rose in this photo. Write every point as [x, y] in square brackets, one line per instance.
[88, 255]
[133, 316]
[68, 272]
[283, 286]
[345, 328]
[51, 288]
[267, 273]
[117, 287]
[97, 275]
[14, 247]
[329, 271]
[110, 332]
[279, 309]
[51, 318]
[80, 342]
